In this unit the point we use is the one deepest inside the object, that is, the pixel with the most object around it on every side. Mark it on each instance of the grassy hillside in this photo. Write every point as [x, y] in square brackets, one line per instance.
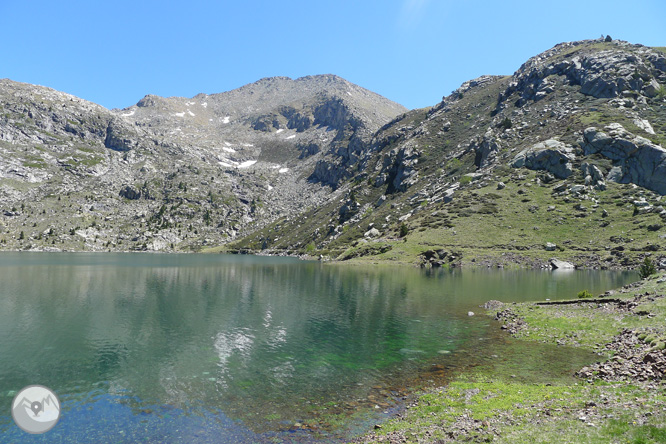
[430, 184]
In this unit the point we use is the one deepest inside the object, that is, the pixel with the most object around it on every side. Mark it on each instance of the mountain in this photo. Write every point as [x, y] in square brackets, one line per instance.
[563, 159]
[175, 174]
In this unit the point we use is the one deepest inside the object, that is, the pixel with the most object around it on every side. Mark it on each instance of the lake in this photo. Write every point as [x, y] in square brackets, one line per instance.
[214, 348]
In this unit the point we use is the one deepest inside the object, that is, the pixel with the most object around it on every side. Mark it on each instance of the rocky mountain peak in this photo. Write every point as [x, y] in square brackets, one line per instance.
[577, 126]
[174, 172]
[602, 69]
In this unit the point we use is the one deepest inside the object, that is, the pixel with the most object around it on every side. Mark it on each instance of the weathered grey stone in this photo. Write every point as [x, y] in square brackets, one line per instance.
[637, 160]
[557, 264]
[130, 192]
[372, 233]
[602, 74]
[120, 136]
[644, 124]
[550, 246]
[486, 149]
[652, 88]
[551, 155]
[593, 176]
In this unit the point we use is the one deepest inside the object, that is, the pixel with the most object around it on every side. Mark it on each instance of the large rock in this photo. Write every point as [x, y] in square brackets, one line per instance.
[652, 88]
[561, 265]
[635, 159]
[120, 136]
[486, 149]
[130, 193]
[593, 176]
[551, 155]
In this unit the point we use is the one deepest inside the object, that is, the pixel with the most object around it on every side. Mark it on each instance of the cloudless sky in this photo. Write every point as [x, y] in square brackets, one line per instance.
[410, 51]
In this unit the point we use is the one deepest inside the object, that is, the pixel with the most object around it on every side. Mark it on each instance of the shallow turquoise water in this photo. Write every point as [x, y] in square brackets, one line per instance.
[213, 348]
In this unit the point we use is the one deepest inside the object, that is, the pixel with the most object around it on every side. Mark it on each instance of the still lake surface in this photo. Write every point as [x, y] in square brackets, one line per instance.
[215, 348]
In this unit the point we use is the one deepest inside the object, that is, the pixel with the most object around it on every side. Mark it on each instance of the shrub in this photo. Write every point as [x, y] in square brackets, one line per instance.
[647, 268]
[506, 123]
[584, 294]
[310, 247]
[404, 231]
[662, 92]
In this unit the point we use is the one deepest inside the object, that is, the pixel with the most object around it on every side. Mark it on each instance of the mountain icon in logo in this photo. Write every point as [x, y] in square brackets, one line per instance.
[36, 409]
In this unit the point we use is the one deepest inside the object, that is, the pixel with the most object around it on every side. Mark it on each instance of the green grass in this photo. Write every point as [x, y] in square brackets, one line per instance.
[513, 412]
[589, 323]
[523, 232]
[507, 409]
[522, 224]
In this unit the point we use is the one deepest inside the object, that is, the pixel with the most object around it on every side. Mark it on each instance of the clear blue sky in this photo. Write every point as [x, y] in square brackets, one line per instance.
[411, 51]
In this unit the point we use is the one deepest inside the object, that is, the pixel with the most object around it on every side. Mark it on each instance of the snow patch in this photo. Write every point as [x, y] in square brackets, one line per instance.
[190, 113]
[205, 104]
[279, 131]
[227, 143]
[270, 187]
[228, 150]
[247, 163]
[190, 103]
[179, 114]
[291, 137]
[226, 119]
[225, 164]
[283, 170]
[247, 145]
[131, 113]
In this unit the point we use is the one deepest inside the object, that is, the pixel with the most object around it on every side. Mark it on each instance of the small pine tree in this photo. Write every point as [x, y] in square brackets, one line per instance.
[647, 268]
[22, 235]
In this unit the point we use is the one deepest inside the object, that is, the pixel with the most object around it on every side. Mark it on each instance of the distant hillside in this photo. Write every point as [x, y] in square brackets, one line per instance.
[562, 159]
[175, 174]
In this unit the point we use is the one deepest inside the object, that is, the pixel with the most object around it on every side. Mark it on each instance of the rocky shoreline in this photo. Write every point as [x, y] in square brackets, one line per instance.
[632, 361]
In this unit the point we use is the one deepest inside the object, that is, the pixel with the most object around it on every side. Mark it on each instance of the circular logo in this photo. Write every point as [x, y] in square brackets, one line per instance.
[36, 409]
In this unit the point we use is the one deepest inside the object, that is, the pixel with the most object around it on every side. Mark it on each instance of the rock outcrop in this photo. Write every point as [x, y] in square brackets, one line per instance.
[551, 155]
[635, 159]
[608, 73]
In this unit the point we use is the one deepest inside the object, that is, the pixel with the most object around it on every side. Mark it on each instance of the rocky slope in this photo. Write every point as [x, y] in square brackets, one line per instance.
[175, 174]
[563, 158]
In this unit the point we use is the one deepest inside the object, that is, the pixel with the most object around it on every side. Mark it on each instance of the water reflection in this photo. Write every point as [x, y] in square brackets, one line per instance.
[264, 340]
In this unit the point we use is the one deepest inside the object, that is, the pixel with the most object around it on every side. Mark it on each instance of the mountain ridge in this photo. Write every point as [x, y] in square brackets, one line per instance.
[120, 166]
[322, 167]
[442, 170]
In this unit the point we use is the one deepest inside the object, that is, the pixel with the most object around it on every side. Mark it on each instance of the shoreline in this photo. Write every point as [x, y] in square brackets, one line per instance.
[473, 258]
[619, 398]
